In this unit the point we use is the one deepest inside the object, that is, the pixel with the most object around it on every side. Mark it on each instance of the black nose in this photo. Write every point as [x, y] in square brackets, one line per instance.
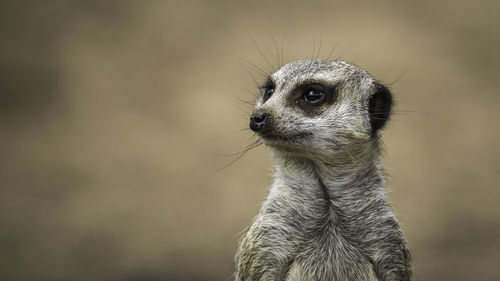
[258, 121]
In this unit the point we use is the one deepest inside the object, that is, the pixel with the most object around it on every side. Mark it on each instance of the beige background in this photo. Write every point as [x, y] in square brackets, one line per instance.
[111, 113]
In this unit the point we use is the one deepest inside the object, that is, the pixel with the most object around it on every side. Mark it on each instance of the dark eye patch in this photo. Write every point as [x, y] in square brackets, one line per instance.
[267, 89]
[310, 96]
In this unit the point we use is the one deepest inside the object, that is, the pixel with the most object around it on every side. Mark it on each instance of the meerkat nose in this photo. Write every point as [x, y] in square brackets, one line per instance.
[258, 121]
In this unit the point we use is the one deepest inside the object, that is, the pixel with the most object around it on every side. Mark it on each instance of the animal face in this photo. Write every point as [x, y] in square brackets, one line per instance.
[314, 107]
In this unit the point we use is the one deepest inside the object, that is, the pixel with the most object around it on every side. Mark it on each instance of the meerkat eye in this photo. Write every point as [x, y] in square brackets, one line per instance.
[314, 97]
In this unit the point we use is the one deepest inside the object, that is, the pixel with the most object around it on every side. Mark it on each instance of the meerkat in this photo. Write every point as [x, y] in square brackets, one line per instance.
[326, 216]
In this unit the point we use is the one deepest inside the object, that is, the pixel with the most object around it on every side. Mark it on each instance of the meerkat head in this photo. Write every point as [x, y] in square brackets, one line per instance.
[316, 108]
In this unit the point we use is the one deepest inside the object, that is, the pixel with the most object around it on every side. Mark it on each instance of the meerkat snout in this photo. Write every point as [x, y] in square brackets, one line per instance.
[259, 121]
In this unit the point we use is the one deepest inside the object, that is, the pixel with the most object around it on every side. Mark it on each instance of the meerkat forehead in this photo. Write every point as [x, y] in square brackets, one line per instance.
[329, 72]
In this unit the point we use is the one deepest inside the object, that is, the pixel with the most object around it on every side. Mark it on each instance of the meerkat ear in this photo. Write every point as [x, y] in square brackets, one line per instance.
[379, 107]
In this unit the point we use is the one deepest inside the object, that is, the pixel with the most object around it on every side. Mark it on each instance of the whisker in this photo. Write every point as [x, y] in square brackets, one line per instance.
[240, 155]
[255, 94]
[237, 153]
[331, 52]
[347, 50]
[397, 111]
[251, 103]
[262, 72]
[282, 52]
[259, 50]
[397, 78]
[320, 43]
[244, 129]
[314, 49]
[277, 51]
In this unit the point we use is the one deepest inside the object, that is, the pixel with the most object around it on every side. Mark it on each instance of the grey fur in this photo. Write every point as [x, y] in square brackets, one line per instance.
[326, 216]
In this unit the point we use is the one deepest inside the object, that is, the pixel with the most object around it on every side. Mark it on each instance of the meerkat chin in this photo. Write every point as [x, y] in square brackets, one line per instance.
[326, 216]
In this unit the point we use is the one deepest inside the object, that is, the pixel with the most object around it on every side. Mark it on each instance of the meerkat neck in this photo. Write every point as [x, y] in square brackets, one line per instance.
[354, 175]
[320, 189]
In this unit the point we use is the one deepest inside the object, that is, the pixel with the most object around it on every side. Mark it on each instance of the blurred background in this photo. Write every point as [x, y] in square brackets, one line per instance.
[111, 113]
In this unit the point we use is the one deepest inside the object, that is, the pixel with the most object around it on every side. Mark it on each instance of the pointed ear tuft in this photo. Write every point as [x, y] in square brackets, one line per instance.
[379, 107]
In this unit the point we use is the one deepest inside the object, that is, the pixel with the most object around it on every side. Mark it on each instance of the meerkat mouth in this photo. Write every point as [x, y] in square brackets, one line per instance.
[284, 140]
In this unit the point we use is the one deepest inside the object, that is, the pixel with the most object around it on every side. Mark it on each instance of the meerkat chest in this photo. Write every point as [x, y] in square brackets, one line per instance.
[334, 259]
[294, 239]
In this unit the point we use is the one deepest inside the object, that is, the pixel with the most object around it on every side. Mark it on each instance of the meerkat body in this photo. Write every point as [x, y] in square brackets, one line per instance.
[326, 216]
